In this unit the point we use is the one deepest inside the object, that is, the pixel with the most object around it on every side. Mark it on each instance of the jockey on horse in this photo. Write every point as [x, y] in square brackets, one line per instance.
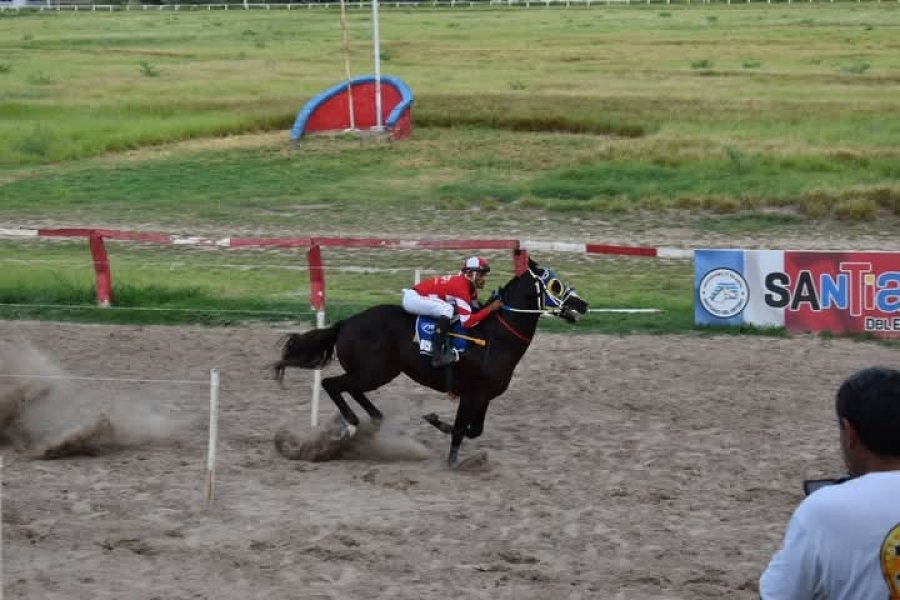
[374, 347]
[447, 297]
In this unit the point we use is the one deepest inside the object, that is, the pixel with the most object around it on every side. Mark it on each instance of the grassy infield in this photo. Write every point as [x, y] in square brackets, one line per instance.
[738, 118]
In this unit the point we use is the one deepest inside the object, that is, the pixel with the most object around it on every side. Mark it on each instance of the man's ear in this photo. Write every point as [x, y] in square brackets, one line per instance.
[848, 434]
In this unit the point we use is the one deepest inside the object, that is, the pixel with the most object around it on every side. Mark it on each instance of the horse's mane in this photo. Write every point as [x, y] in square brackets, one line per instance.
[502, 291]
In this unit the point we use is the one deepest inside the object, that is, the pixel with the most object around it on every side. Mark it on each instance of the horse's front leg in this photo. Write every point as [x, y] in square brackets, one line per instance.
[435, 420]
[456, 438]
[476, 427]
[465, 413]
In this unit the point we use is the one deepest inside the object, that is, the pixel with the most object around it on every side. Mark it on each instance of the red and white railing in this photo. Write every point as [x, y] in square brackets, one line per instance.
[314, 245]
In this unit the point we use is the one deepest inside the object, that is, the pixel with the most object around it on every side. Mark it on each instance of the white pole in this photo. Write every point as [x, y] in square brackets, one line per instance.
[209, 488]
[417, 277]
[376, 45]
[317, 378]
[347, 66]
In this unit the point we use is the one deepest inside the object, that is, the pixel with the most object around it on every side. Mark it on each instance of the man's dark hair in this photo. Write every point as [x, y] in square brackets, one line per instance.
[870, 401]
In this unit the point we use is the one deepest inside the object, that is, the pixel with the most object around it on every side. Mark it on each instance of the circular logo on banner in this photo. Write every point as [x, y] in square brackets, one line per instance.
[724, 293]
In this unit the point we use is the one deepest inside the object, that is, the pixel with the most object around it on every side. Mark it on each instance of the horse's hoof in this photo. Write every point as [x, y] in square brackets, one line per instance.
[348, 431]
[477, 463]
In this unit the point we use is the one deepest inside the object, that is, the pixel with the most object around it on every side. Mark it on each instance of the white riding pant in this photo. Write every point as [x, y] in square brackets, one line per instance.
[430, 306]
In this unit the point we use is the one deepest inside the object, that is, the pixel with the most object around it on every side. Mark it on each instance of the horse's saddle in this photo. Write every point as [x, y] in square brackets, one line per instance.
[424, 336]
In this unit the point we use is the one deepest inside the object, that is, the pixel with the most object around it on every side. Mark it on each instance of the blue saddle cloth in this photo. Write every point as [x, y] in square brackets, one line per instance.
[425, 336]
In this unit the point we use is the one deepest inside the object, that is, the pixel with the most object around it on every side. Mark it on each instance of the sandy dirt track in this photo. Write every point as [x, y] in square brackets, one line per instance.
[613, 467]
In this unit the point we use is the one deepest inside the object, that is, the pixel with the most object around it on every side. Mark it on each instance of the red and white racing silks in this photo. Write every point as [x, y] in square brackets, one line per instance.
[457, 291]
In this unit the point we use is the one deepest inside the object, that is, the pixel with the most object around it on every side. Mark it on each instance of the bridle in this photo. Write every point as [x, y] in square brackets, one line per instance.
[543, 293]
[559, 298]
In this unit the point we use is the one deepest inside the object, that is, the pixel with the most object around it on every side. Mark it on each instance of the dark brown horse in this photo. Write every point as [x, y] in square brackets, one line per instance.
[375, 345]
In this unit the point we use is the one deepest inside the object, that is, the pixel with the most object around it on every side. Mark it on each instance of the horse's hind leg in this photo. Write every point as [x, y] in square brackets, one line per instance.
[335, 386]
[367, 405]
[368, 375]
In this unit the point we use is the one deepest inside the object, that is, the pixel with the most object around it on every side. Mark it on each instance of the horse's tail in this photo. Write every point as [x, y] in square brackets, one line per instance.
[310, 350]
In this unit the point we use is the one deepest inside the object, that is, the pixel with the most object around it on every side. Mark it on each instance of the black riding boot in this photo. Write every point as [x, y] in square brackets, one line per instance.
[441, 345]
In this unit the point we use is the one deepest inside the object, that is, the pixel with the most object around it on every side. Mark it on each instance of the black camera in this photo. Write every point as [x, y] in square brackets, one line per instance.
[811, 485]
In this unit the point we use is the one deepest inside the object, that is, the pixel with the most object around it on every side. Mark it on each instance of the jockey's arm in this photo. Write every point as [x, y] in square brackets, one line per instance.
[474, 319]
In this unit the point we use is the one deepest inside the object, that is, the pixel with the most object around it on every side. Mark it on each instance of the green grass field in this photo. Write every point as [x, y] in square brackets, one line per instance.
[762, 119]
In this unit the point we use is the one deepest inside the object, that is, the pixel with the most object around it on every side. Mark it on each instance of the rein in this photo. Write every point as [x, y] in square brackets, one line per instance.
[541, 309]
[557, 294]
[513, 330]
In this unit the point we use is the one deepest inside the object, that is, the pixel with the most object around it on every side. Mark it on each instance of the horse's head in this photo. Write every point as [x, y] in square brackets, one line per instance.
[556, 296]
[543, 291]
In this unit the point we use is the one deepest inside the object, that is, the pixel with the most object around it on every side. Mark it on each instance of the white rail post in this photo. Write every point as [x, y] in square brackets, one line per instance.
[317, 301]
[209, 487]
[317, 378]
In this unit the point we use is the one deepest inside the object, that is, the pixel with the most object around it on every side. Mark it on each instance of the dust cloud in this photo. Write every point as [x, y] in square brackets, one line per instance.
[381, 442]
[46, 415]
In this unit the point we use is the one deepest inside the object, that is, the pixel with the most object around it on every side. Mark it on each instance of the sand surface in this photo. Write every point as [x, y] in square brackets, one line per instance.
[613, 467]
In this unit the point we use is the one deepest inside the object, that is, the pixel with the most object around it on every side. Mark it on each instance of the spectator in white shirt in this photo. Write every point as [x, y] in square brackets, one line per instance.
[843, 540]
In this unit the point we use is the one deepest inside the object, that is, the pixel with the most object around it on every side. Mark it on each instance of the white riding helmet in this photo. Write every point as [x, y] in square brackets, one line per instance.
[476, 264]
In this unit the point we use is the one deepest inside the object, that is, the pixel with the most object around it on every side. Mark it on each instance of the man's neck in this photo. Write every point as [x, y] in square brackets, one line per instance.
[877, 464]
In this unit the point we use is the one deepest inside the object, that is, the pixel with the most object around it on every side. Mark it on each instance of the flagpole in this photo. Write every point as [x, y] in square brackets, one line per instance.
[347, 67]
[376, 45]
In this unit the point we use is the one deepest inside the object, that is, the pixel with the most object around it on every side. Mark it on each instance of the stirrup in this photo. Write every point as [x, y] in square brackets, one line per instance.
[448, 357]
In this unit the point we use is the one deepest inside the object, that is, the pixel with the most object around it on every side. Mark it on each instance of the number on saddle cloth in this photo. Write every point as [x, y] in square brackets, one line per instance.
[424, 335]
